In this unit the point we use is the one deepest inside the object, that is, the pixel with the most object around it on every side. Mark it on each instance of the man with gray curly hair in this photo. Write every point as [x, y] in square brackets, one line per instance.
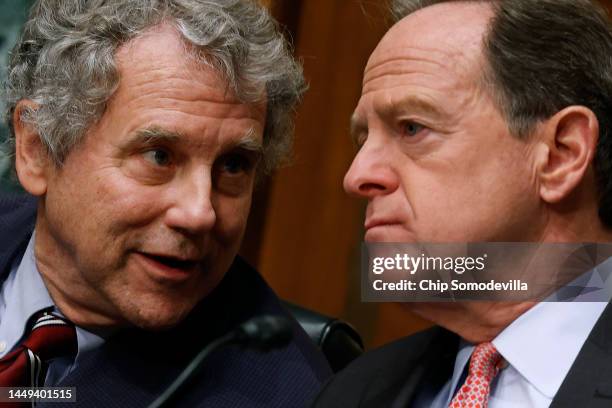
[141, 127]
[488, 121]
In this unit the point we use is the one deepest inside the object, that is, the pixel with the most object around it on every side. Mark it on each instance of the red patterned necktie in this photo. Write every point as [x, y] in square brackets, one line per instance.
[51, 336]
[484, 366]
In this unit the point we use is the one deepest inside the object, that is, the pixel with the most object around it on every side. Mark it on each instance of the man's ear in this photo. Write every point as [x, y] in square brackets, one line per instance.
[570, 138]
[31, 158]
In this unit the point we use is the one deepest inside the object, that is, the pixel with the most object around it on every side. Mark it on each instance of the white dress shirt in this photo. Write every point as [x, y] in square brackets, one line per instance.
[539, 347]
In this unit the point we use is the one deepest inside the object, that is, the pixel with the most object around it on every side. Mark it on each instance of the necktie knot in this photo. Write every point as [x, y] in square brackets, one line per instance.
[51, 336]
[485, 363]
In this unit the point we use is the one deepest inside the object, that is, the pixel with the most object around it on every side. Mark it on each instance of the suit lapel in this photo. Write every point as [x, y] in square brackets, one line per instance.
[432, 365]
[589, 381]
[17, 218]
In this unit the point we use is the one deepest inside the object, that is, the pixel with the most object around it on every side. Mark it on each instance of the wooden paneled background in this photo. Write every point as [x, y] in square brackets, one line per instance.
[305, 233]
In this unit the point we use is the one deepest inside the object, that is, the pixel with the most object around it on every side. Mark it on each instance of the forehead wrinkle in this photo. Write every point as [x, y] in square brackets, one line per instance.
[395, 67]
[194, 105]
[405, 62]
[404, 80]
[407, 86]
[415, 51]
[205, 91]
[407, 52]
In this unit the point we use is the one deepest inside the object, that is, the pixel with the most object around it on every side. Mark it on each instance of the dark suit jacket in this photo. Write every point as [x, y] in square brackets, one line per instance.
[393, 375]
[134, 366]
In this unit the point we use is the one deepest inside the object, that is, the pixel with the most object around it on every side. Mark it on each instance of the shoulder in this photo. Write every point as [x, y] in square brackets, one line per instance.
[385, 359]
[263, 300]
[301, 365]
[17, 208]
[17, 218]
[381, 365]
[290, 376]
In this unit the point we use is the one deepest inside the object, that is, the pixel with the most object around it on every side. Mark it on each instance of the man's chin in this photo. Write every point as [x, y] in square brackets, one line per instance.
[161, 316]
[389, 233]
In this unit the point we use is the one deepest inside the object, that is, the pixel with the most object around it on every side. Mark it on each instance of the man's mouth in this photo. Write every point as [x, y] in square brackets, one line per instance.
[168, 268]
[390, 229]
[173, 262]
[380, 222]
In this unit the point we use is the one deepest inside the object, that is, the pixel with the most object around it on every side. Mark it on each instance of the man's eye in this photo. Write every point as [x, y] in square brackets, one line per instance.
[361, 139]
[235, 164]
[159, 157]
[412, 128]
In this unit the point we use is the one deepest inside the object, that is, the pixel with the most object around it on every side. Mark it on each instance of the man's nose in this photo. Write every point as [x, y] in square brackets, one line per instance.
[193, 209]
[371, 173]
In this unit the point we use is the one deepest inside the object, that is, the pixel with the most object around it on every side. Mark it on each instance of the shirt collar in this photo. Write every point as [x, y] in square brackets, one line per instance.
[26, 295]
[543, 343]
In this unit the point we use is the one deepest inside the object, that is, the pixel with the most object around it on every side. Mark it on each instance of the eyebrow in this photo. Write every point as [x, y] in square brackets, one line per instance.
[250, 142]
[411, 103]
[394, 107]
[157, 135]
[152, 136]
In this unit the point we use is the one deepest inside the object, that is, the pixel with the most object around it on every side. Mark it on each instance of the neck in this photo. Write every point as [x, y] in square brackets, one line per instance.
[476, 322]
[482, 321]
[58, 275]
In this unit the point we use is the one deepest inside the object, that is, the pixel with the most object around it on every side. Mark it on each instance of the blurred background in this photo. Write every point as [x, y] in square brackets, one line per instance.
[304, 233]
[12, 16]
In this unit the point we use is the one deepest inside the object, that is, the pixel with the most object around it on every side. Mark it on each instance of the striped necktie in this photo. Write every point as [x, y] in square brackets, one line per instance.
[50, 337]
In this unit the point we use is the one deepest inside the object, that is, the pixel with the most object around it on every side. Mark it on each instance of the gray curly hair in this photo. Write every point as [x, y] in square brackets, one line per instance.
[64, 63]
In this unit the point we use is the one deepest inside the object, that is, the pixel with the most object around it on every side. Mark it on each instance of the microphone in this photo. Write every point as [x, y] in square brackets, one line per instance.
[263, 333]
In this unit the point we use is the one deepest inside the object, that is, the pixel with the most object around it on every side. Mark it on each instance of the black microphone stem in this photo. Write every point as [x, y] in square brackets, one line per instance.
[264, 333]
[168, 396]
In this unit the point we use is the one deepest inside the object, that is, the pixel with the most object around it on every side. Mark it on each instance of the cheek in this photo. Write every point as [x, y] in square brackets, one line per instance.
[434, 190]
[69, 204]
[232, 214]
[475, 197]
[125, 200]
[100, 207]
